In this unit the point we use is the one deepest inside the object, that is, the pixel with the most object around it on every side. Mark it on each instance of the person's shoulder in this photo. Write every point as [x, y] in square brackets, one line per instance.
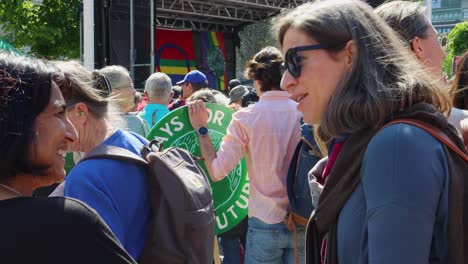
[136, 116]
[459, 113]
[457, 117]
[32, 226]
[404, 134]
[91, 170]
[132, 117]
[243, 112]
[55, 209]
[405, 139]
[160, 107]
[142, 112]
[175, 104]
[75, 209]
[127, 140]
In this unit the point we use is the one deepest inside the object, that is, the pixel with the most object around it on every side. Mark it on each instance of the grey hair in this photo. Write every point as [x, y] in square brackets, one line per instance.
[408, 19]
[221, 98]
[77, 86]
[206, 95]
[117, 75]
[158, 85]
[384, 78]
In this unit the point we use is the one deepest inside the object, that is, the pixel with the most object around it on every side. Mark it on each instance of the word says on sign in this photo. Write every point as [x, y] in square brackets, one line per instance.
[175, 125]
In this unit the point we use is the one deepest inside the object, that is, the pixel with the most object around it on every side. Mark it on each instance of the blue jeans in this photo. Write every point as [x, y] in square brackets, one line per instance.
[272, 243]
[231, 250]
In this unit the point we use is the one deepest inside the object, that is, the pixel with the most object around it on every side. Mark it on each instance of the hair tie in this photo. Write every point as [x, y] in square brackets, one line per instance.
[102, 82]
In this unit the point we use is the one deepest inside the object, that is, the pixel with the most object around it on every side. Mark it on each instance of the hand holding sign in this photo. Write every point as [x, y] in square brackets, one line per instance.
[230, 195]
[198, 114]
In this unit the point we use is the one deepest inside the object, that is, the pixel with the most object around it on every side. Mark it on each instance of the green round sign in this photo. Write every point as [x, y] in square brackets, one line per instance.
[230, 195]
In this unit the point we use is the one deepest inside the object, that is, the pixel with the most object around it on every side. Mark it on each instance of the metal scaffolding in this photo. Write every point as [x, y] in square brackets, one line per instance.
[217, 15]
[142, 17]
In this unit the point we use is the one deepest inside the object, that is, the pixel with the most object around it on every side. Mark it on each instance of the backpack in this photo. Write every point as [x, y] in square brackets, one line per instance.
[305, 156]
[182, 220]
[250, 97]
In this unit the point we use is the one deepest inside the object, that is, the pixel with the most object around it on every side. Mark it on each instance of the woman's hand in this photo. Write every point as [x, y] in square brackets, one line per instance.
[315, 178]
[198, 114]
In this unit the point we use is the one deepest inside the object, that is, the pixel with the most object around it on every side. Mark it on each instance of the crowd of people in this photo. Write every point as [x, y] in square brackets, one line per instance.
[337, 130]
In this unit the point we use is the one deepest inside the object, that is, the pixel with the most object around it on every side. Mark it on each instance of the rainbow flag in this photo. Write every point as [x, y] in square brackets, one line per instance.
[174, 53]
[180, 51]
[214, 59]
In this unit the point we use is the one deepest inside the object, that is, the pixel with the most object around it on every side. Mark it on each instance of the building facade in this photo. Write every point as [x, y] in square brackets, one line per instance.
[447, 13]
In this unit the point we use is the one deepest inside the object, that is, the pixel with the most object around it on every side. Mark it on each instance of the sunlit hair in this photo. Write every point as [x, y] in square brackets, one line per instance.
[408, 19]
[117, 75]
[385, 77]
[158, 85]
[459, 89]
[206, 95]
[77, 86]
[25, 90]
[266, 67]
[138, 98]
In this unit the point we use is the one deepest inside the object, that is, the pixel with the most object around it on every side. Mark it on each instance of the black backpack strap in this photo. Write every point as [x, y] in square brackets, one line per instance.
[114, 152]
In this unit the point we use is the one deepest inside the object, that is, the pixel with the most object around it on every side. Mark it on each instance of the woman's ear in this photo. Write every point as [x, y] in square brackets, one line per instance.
[350, 53]
[170, 97]
[417, 48]
[80, 113]
[82, 109]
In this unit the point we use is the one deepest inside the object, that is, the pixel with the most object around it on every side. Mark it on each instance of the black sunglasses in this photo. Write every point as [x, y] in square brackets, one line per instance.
[292, 60]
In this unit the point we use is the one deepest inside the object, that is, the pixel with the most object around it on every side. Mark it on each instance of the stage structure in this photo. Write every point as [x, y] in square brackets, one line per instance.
[172, 36]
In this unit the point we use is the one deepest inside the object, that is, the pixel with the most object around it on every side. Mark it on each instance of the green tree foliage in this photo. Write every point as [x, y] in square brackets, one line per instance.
[458, 38]
[50, 28]
[457, 43]
[447, 65]
[253, 38]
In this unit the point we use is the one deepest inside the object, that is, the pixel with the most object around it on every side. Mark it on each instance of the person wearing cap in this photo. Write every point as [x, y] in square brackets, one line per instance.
[233, 83]
[192, 82]
[235, 97]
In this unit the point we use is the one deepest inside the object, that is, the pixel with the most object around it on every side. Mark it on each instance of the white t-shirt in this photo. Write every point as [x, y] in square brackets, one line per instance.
[456, 117]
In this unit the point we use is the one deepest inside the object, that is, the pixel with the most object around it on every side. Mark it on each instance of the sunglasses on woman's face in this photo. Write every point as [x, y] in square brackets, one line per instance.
[292, 61]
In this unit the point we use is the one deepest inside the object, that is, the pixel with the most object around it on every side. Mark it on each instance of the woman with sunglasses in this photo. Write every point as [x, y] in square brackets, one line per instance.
[391, 194]
[266, 133]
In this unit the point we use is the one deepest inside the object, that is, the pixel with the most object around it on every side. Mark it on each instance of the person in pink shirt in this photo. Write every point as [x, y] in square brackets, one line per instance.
[266, 133]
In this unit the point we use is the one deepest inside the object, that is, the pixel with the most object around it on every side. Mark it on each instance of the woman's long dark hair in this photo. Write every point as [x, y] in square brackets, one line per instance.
[25, 90]
[459, 88]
